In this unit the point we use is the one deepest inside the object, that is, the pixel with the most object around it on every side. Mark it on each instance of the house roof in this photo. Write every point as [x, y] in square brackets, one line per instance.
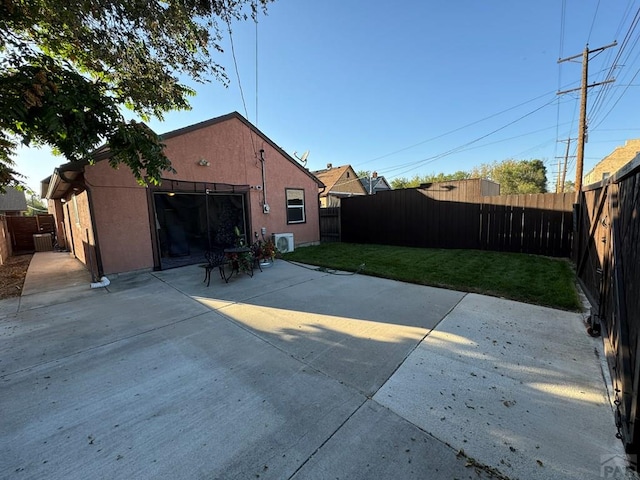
[69, 171]
[331, 176]
[13, 200]
[378, 183]
[616, 159]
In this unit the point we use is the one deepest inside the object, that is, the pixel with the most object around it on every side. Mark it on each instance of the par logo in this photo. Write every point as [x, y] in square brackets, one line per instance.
[616, 466]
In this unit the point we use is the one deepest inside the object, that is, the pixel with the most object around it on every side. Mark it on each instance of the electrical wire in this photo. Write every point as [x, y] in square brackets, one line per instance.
[330, 271]
[455, 130]
[623, 54]
[563, 15]
[419, 163]
[244, 103]
[593, 22]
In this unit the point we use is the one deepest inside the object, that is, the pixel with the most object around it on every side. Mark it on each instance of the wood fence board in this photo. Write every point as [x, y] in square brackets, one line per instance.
[607, 266]
[515, 223]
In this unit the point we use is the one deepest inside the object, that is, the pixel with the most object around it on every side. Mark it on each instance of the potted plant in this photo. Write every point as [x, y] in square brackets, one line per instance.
[265, 251]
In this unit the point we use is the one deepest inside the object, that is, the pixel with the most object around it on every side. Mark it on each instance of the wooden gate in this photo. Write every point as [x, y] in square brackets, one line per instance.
[330, 224]
[607, 258]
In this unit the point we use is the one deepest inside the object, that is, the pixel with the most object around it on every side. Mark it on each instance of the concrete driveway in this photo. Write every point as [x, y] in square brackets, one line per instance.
[292, 374]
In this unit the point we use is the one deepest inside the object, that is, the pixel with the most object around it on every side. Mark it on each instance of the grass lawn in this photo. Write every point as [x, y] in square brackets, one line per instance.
[525, 278]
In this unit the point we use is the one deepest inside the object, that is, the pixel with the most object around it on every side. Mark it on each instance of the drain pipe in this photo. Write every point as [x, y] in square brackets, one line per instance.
[265, 205]
[104, 282]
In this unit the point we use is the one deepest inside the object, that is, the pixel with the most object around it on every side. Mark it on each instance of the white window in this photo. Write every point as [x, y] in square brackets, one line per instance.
[295, 206]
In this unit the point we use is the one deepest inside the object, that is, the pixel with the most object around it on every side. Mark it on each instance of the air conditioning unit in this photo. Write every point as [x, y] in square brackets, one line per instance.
[283, 242]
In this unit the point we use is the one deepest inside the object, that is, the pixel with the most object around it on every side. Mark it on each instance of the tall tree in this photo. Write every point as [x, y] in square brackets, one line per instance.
[417, 180]
[515, 176]
[67, 67]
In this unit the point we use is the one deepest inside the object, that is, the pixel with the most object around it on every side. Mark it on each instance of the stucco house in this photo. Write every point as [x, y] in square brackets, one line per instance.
[229, 176]
[339, 182]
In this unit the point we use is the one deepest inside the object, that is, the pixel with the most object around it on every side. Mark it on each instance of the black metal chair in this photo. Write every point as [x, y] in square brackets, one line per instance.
[215, 259]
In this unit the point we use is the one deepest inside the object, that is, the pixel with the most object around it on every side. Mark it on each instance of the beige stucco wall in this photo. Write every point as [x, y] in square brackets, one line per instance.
[613, 162]
[120, 205]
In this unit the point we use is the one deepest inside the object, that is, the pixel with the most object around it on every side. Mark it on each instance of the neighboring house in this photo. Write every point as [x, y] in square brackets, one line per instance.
[229, 175]
[469, 190]
[613, 162]
[374, 184]
[339, 182]
[12, 202]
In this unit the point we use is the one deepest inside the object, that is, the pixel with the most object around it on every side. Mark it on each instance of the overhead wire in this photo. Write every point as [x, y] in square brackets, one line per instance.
[563, 16]
[413, 165]
[237, 70]
[623, 54]
[619, 60]
[593, 22]
[395, 152]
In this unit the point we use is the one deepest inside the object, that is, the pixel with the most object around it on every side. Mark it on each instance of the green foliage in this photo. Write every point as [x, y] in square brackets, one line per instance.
[569, 186]
[35, 205]
[525, 278]
[417, 180]
[67, 67]
[515, 176]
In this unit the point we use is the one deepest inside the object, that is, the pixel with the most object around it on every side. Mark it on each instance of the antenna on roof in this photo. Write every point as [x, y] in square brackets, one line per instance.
[303, 158]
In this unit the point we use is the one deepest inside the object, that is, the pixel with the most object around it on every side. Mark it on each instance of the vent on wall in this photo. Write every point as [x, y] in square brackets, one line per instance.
[283, 242]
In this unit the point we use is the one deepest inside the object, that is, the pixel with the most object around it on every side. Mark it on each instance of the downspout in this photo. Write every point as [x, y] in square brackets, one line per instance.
[100, 277]
[94, 232]
[265, 205]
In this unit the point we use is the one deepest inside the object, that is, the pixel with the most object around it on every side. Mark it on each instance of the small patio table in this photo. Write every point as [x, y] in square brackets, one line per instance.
[232, 259]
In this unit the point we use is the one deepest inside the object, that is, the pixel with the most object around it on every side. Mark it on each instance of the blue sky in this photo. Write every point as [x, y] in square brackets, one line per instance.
[417, 87]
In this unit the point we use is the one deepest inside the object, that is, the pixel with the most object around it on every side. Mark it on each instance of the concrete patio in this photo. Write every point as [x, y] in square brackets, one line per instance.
[293, 374]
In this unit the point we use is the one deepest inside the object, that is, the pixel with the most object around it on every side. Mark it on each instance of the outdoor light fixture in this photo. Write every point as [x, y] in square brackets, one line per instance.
[204, 163]
[171, 194]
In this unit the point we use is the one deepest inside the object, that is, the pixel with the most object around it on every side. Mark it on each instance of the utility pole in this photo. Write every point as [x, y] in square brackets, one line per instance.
[582, 127]
[562, 172]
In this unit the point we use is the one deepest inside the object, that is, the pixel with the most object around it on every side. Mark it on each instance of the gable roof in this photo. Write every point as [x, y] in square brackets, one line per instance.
[331, 177]
[379, 183]
[251, 126]
[13, 200]
[51, 183]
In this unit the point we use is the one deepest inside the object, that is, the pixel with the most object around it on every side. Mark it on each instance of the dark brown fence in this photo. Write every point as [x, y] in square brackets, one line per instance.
[22, 229]
[538, 224]
[330, 224]
[607, 258]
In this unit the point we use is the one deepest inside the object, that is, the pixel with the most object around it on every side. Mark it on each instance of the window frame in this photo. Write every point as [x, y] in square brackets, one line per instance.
[290, 208]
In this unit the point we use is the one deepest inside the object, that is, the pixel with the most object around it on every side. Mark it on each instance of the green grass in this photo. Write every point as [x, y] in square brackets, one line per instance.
[524, 278]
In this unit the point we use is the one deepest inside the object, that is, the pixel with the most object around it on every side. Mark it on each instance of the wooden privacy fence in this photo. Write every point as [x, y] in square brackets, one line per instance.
[22, 229]
[538, 224]
[330, 224]
[607, 258]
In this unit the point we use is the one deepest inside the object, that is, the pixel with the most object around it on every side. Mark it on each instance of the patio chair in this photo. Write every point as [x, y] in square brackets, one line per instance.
[215, 259]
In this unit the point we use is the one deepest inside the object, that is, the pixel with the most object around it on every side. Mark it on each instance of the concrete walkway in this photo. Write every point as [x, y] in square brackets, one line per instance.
[293, 374]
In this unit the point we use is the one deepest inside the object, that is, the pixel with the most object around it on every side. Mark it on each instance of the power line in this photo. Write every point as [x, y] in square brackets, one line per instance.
[244, 103]
[455, 130]
[593, 22]
[419, 163]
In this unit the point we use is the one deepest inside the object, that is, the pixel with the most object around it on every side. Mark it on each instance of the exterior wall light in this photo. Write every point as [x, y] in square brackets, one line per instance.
[204, 163]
